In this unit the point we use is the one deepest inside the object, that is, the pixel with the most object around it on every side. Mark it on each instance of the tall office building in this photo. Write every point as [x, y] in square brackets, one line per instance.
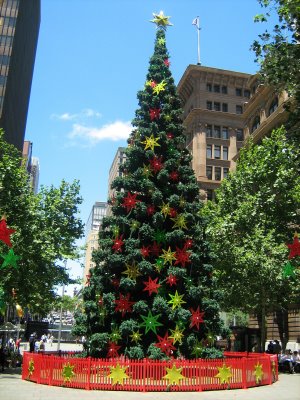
[91, 234]
[114, 171]
[221, 109]
[32, 165]
[19, 28]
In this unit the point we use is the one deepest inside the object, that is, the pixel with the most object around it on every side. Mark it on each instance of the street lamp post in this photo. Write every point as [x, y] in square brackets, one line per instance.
[60, 315]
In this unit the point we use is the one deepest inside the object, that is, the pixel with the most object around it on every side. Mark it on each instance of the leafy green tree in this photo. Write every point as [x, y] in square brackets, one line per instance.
[278, 54]
[46, 228]
[151, 293]
[256, 213]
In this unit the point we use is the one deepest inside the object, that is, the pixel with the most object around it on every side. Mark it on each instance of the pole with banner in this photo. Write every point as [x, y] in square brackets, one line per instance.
[196, 22]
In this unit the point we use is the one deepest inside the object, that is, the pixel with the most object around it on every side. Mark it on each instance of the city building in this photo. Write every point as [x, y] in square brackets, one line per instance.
[221, 109]
[91, 235]
[19, 29]
[114, 172]
[32, 165]
[213, 101]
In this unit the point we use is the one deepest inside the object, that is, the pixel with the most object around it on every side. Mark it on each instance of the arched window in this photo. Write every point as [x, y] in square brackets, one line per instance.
[255, 124]
[273, 106]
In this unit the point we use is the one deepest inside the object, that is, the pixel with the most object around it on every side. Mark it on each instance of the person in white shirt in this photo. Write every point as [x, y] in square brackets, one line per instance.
[296, 361]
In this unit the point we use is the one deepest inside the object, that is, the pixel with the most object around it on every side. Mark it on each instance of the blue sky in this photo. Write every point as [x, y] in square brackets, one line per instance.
[92, 58]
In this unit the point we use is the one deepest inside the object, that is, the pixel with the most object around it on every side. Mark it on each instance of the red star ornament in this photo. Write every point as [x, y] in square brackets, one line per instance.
[165, 344]
[170, 135]
[172, 280]
[196, 317]
[188, 244]
[113, 350]
[174, 176]
[115, 282]
[182, 257]
[150, 210]
[129, 202]
[172, 212]
[294, 247]
[5, 232]
[153, 84]
[154, 113]
[145, 251]
[151, 286]
[155, 249]
[118, 243]
[156, 164]
[167, 62]
[123, 304]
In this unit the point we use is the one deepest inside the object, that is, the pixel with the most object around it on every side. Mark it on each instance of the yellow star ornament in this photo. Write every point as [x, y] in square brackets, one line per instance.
[165, 209]
[30, 367]
[68, 372]
[150, 142]
[159, 87]
[177, 335]
[132, 271]
[168, 256]
[176, 300]
[179, 222]
[174, 375]
[161, 20]
[258, 373]
[136, 336]
[224, 374]
[118, 374]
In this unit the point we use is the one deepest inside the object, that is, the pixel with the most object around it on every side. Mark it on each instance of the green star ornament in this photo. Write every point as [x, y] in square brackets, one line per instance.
[134, 225]
[68, 372]
[198, 348]
[161, 20]
[174, 375]
[160, 236]
[224, 374]
[115, 335]
[117, 374]
[176, 300]
[10, 259]
[159, 264]
[288, 270]
[150, 322]
[147, 171]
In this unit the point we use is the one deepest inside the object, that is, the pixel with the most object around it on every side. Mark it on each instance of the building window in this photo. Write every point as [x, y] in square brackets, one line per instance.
[238, 92]
[247, 93]
[225, 133]
[217, 88]
[217, 152]
[217, 132]
[225, 172]
[255, 124]
[239, 109]
[273, 106]
[209, 105]
[224, 107]
[225, 153]
[4, 60]
[2, 80]
[210, 194]
[239, 135]
[209, 151]
[217, 173]
[209, 87]
[209, 172]
[217, 106]
[209, 131]
[224, 89]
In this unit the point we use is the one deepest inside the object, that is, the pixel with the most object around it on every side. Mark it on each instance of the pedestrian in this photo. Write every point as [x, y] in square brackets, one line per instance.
[18, 344]
[2, 358]
[31, 342]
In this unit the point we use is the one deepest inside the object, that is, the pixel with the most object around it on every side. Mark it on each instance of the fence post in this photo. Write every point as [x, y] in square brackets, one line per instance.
[144, 374]
[244, 372]
[88, 383]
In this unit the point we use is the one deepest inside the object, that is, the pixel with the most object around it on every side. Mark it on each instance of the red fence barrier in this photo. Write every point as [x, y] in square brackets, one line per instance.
[146, 375]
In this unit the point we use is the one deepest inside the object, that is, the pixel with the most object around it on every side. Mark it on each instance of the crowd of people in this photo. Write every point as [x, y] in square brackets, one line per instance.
[38, 344]
[288, 360]
[9, 350]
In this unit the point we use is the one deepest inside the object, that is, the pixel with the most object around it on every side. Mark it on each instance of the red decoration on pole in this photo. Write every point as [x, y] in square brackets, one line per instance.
[118, 243]
[182, 256]
[123, 304]
[145, 251]
[154, 113]
[156, 164]
[294, 247]
[165, 344]
[129, 202]
[5, 232]
[113, 350]
[151, 286]
[196, 317]
[172, 280]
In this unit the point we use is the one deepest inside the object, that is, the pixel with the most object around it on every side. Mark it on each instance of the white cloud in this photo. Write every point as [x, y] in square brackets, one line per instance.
[83, 114]
[114, 131]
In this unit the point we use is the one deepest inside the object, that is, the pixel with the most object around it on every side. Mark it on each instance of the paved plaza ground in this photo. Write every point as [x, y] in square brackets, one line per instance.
[12, 387]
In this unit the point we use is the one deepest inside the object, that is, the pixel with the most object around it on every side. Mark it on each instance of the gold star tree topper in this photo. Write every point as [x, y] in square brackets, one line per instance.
[161, 20]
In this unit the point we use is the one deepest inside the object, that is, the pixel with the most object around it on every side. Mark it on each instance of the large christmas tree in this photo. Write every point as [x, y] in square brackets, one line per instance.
[151, 293]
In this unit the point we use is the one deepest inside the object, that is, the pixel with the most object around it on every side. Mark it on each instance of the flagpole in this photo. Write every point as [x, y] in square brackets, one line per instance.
[198, 29]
